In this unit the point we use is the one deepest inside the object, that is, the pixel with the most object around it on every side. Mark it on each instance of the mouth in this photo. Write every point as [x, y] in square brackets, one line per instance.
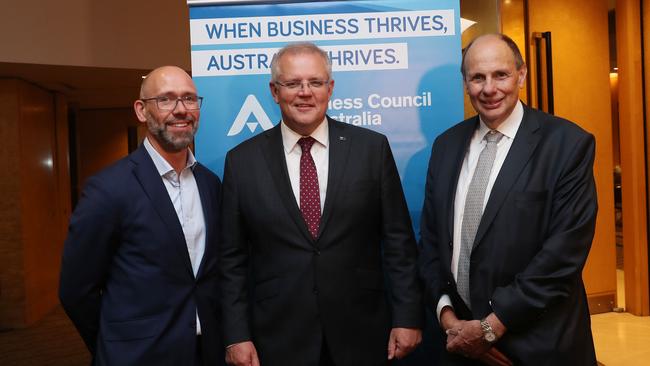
[180, 124]
[304, 107]
[491, 104]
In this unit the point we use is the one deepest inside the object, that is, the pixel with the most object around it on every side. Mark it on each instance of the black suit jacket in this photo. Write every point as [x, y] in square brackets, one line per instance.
[126, 277]
[531, 244]
[302, 289]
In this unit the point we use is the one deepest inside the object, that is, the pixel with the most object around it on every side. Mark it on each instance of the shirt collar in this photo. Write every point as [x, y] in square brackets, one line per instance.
[290, 137]
[508, 127]
[162, 166]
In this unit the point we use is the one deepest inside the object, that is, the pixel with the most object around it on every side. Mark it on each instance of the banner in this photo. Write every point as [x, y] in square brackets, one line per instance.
[396, 66]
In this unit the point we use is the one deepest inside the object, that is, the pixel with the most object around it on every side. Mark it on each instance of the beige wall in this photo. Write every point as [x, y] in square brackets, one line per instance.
[581, 88]
[117, 33]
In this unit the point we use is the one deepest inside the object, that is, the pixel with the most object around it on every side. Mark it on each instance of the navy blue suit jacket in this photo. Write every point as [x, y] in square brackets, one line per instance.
[126, 277]
[532, 242]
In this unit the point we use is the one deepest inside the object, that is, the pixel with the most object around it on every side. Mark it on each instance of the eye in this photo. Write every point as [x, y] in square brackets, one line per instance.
[292, 84]
[316, 83]
[163, 99]
[190, 98]
[502, 75]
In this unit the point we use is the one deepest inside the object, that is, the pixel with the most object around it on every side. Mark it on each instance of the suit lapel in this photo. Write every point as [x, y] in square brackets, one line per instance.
[151, 183]
[273, 152]
[206, 205]
[339, 143]
[522, 149]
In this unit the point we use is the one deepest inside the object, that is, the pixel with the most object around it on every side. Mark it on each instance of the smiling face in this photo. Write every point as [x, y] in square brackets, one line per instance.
[171, 130]
[492, 79]
[303, 108]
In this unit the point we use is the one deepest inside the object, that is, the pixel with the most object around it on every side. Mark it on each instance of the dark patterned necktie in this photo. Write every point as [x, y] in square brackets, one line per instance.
[309, 191]
[474, 211]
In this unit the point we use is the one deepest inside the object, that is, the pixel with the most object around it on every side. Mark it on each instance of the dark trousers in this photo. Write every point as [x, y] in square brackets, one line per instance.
[198, 356]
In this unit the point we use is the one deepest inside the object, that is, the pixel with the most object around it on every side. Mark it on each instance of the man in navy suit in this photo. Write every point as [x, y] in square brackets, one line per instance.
[503, 264]
[318, 257]
[139, 270]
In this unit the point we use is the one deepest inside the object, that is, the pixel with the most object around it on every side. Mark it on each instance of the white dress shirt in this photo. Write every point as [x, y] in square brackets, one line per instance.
[509, 129]
[184, 194]
[319, 152]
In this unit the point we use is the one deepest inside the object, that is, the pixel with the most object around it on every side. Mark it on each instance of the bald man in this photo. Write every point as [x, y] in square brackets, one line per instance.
[138, 276]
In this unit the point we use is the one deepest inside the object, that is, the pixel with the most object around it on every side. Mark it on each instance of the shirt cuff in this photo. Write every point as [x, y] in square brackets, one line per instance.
[445, 300]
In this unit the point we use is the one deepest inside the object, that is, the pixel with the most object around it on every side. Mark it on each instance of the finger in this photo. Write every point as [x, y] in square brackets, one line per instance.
[392, 347]
[255, 361]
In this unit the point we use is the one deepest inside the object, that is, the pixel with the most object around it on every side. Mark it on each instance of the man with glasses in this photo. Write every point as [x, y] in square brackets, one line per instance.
[318, 257]
[138, 276]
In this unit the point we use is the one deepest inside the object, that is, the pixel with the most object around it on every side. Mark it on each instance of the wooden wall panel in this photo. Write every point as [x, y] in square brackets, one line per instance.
[581, 87]
[32, 215]
[12, 291]
[102, 138]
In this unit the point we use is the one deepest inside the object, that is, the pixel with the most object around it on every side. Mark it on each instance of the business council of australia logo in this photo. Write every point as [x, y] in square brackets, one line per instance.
[252, 116]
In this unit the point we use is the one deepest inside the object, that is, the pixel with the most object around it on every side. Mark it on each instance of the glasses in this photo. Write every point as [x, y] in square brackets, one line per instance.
[190, 102]
[296, 85]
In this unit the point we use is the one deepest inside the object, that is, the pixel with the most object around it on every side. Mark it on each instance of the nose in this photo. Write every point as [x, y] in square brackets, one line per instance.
[490, 86]
[179, 108]
[305, 89]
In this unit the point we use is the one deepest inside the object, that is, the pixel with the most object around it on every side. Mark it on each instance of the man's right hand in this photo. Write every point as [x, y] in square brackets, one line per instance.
[242, 354]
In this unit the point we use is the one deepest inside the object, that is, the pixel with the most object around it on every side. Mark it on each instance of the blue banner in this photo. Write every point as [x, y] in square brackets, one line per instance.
[396, 66]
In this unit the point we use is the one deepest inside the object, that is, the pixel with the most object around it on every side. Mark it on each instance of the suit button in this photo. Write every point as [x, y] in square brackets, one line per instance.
[317, 252]
[451, 244]
[316, 290]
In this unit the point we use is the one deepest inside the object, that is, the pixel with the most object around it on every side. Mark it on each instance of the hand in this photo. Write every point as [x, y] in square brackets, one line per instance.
[402, 341]
[242, 354]
[467, 339]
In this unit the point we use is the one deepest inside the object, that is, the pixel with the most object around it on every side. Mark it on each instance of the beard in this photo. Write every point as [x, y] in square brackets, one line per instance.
[172, 141]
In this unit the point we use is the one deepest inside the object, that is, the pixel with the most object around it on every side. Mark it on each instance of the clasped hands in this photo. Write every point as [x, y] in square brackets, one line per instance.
[465, 337]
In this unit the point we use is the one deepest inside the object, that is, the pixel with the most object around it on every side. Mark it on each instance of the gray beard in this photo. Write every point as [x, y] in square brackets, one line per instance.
[169, 141]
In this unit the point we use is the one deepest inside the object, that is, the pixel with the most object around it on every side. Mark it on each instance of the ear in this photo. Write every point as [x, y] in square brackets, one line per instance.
[139, 108]
[275, 92]
[523, 70]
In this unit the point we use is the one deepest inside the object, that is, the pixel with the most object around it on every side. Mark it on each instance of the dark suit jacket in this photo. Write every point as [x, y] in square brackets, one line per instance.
[302, 289]
[126, 277]
[532, 241]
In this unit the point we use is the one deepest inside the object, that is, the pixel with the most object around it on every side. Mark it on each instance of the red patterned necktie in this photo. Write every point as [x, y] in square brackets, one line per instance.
[309, 191]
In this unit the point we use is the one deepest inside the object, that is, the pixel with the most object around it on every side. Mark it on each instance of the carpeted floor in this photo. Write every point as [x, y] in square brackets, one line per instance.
[53, 341]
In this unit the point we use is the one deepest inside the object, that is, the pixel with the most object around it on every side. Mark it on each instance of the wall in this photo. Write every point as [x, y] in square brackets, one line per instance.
[581, 88]
[33, 210]
[102, 138]
[139, 34]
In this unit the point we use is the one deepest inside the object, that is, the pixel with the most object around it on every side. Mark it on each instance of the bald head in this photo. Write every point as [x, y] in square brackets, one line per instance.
[162, 78]
[492, 38]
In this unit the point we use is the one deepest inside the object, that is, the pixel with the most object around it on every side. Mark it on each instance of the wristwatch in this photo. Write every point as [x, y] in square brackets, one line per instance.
[488, 333]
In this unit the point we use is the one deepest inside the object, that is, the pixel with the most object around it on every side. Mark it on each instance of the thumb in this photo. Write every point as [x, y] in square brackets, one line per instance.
[392, 346]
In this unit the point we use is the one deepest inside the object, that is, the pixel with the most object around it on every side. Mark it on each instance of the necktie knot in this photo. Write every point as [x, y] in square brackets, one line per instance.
[306, 143]
[493, 136]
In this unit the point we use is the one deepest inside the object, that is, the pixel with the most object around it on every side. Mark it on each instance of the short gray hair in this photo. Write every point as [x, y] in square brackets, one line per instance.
[297, 49]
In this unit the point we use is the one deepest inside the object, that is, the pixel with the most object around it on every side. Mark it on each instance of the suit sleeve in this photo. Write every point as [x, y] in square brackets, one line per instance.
[87, 254]
[233, 265]
[429, 259]
[556, 269]
[400, 251]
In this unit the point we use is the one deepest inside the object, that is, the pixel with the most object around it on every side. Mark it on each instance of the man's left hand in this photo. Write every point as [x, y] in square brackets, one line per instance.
[402, 341]
[467, 339]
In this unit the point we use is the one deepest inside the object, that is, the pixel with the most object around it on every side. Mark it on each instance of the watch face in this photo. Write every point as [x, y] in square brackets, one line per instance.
[490, 337]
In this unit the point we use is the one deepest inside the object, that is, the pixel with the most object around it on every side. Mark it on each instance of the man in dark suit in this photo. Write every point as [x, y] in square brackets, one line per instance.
[139, 272]
[505, 237]
[318, 257]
